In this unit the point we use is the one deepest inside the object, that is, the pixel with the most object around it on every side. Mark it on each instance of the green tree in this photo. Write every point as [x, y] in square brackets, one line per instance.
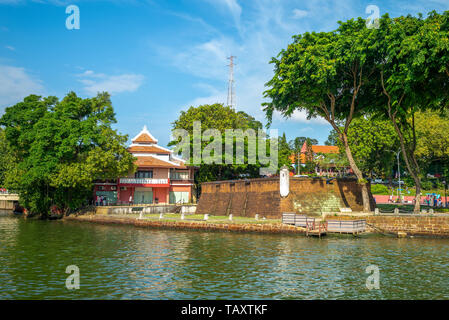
[326, 74]
[62, 147]
[432, 135]
[373, 142]
[7, 160]
[297, 143]
[410, 78]
[284, 152]
[338, 161]
[220, 117]
[332, 138]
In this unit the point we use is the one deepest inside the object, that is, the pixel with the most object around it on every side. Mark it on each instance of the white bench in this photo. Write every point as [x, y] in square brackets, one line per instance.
[345, 210]
[304, 221]
[346, 226]
[288, 217]
[297, 220]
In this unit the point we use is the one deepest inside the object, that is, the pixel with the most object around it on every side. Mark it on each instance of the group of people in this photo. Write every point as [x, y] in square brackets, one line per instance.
[3, 190]
[101, 201]
[434, 200]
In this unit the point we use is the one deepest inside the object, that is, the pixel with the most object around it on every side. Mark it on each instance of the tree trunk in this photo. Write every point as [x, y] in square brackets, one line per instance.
[358, 173]
[412, 169]
[418, 197]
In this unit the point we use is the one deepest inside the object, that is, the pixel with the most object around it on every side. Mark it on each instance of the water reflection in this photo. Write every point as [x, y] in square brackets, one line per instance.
[120, 262]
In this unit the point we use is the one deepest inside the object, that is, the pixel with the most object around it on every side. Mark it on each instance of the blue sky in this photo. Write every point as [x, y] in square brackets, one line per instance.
[157, 58]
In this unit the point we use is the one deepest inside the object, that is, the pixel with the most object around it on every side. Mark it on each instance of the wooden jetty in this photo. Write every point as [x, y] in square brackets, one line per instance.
[315, 227]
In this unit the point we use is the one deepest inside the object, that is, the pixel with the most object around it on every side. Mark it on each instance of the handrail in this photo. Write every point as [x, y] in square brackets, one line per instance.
[143, 181]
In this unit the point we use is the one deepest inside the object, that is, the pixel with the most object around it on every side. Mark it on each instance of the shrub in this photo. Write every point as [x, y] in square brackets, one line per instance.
[408, 181]
[426, 185]
[379, 189]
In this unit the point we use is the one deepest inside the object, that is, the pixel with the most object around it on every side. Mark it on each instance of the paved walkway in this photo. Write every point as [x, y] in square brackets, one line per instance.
[382, 199]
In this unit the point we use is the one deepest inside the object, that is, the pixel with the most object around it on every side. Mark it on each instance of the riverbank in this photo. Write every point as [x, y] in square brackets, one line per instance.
[271, 228]
[423, 225]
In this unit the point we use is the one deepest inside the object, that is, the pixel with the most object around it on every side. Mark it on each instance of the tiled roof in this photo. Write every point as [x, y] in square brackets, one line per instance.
[150, 161]
[148, 149]
[144, 138]
[325, 149]
[315, 149]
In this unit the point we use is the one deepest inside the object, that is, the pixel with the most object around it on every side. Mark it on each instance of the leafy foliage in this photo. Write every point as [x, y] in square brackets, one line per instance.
[373, 142]
[61, 147]
[297, 143]
[413, 76]
[220, 117]
[6, 158]
[328, 75]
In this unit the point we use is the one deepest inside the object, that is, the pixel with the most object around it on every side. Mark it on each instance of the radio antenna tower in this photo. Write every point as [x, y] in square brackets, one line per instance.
[231, 93]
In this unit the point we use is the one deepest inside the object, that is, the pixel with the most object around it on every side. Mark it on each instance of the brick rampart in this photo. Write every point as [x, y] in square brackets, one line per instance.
[311, 196]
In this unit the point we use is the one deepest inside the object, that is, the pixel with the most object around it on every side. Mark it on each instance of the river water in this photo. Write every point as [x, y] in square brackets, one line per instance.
[124, 262]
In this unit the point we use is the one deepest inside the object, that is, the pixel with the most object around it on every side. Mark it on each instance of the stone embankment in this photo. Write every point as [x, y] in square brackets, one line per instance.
[426, 225]
[404, 225]
[189, 225]
[416, 225]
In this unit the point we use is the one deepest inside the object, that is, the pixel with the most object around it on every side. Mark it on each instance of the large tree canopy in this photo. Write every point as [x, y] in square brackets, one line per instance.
[6, 158]
[221, 118]
[432, 135]
[61, 147]
[373, 143]
[412, 76]
[392, 71]
[326, 74]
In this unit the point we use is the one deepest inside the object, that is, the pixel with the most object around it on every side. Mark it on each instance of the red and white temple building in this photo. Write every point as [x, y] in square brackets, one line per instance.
[160, 178]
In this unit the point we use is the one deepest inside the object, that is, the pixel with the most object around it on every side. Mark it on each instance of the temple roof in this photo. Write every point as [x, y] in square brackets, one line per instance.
[149, 161]
[144, 137]
[320, 149]
[325, 149]
[148, 149]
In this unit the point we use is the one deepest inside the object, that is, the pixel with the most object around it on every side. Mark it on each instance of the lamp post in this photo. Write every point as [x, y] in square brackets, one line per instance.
[297, 170]
[399, 176]
[399, 171]
[445, 187]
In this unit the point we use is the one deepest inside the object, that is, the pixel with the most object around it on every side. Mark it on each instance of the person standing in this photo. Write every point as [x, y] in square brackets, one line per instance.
[130, 200]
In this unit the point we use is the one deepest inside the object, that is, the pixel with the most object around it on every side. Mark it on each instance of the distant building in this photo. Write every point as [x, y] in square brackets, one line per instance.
[315, 154]
[160, 177]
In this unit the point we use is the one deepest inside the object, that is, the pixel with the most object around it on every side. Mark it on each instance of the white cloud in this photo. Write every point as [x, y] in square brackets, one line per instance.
[205, 60]
[233, 7]
[16, 84]
[266, 27]
[99, 82]
[301, 116]
[10, 48]
[298, 13]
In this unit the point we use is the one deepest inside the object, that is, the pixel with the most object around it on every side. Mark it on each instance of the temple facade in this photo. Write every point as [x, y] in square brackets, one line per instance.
[160, 178]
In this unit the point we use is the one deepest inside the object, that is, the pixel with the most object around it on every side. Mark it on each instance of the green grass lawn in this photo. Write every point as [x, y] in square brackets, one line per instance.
[200, 218]
[412, 193]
